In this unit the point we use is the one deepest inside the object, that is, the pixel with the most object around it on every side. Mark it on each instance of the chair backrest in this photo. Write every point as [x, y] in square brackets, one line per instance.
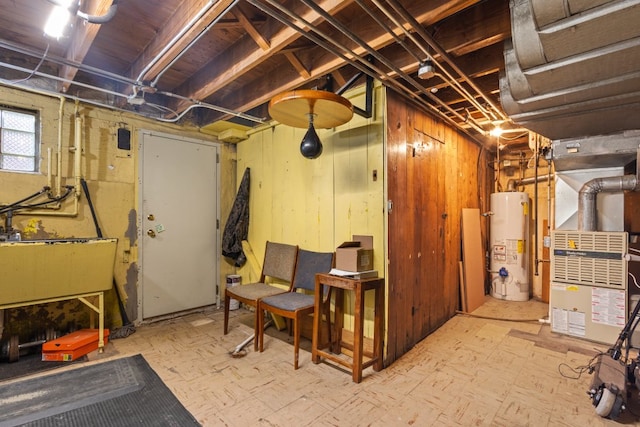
[279, 261]
[309, 263]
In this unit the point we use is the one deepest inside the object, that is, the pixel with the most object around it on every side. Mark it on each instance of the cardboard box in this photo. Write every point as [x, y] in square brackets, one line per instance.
[356, 255]
[72, 346]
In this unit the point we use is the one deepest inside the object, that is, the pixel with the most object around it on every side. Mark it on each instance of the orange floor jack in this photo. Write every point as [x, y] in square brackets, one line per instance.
[72, 346]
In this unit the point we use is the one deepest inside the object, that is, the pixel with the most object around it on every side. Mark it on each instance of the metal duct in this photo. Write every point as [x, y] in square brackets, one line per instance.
[587, 197]
[601, 151]
[572, 67]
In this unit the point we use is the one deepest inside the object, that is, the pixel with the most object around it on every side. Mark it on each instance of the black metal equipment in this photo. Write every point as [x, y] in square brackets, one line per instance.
[11, 349]
[615, 375]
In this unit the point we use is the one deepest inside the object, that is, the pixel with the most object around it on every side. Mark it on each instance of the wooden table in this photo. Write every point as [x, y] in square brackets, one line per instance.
[333, 349]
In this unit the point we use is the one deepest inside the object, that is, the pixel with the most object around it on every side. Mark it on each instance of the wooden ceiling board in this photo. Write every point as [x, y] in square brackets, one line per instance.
[122, 40]
[248, 57]
[31, 16]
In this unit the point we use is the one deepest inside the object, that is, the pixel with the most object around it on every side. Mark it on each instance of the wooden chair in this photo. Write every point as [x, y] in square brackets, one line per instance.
[295, 305]
[279, 263]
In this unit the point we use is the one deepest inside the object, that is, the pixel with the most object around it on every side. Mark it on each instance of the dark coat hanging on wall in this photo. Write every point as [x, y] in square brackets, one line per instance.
[237, 227]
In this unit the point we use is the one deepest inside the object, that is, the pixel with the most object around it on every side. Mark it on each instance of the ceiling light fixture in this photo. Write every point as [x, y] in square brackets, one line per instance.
[426, 70]
[64, 10]
[310, 109]
[496, 131]
[58, 19]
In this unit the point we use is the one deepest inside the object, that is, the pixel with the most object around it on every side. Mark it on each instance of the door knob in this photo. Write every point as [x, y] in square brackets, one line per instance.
[151, 233]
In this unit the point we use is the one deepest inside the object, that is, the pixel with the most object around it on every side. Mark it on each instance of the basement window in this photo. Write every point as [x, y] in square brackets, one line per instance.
[18, 140]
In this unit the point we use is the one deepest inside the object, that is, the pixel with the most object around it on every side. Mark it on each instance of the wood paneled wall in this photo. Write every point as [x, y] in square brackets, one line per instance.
[433, 172]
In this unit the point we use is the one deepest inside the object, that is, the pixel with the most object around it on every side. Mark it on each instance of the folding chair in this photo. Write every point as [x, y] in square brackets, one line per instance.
[279, 263]
[298, 303]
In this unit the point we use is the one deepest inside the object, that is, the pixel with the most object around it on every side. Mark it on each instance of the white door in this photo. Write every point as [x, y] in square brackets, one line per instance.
[178, 217]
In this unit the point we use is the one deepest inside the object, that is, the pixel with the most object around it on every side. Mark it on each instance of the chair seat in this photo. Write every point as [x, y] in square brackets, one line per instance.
[290, 301]
[254, 291]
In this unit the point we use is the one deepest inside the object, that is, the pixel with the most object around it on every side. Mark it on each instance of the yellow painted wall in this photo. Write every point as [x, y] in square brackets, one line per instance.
[317, 204]
[112, 177]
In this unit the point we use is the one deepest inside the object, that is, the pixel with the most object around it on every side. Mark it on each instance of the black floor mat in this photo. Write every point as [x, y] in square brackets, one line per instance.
[122, 392]
[31, 364]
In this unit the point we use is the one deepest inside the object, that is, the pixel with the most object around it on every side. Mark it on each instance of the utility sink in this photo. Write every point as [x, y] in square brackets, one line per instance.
[33, 270]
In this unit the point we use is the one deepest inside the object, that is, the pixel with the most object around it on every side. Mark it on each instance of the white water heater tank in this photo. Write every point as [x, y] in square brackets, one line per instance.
[509, 232]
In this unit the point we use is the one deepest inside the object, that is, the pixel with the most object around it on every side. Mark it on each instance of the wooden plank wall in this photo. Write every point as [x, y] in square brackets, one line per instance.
[432, 174]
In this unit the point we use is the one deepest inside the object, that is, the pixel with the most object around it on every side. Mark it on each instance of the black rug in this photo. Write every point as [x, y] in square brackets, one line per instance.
[122, 392]
[31, 364]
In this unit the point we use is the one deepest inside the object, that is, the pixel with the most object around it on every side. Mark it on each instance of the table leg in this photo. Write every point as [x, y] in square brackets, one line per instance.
[336, 345]
[378, 329]
[317, 317]
[358, 333]
[100, 322]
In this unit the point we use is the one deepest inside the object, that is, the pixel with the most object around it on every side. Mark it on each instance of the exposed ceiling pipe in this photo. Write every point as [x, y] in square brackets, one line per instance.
[369, 69]
[174, 40]
[446, 76]
[199, 104]
[513, 183]
[100, 19]
[587, 212]
[54, 78]
[388, 29]
[14, 47]
[116, 78]
[436, 47]
[41, 91]
[193, 42]
[345, 30]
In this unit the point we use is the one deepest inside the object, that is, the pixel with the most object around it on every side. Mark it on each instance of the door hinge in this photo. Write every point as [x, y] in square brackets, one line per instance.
[217, 158]
[217, 224]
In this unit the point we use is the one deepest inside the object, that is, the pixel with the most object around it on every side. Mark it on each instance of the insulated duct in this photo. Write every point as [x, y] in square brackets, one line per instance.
[100, 19]
[571, 68]
[587, 213]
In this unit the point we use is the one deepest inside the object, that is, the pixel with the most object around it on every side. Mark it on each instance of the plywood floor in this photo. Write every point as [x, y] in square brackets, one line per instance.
[473, 371]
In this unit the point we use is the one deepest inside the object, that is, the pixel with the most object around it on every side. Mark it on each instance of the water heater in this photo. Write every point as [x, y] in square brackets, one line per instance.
[509, 231]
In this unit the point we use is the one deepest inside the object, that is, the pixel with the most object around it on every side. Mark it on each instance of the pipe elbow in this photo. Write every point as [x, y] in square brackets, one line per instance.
[592, 188]
[100, 19]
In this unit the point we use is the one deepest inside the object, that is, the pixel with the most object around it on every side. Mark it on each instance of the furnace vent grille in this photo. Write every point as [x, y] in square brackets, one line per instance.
[589, 258]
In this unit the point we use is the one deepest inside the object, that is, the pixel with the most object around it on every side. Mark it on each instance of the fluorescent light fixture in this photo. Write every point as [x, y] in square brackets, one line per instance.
[58, 20]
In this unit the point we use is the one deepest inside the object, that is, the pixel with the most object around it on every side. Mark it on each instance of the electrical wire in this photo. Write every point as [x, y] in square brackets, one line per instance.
[163, 109]
[35, 70]
[513, 138]
[579, 370]
[635, 282]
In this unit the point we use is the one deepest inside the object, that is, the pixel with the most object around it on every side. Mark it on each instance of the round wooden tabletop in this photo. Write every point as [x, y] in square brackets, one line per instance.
[292, 108]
